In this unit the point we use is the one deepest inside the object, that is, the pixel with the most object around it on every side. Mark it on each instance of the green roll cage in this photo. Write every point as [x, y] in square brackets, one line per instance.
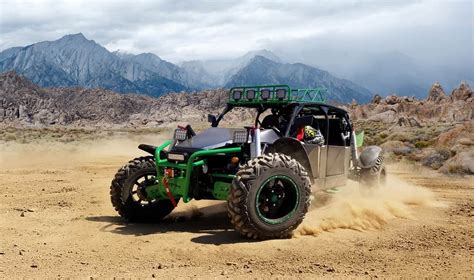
[277, 94]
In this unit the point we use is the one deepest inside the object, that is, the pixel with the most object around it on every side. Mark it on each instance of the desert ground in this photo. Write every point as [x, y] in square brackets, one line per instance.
[56, 220]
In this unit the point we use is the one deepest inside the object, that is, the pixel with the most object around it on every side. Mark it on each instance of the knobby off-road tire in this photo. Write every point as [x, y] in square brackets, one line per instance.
[247, 201]
[374, 176]
[132, 204]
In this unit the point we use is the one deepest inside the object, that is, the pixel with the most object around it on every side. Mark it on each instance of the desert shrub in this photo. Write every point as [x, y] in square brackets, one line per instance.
[383, 135]
[9, 137]
[403, 137]
[424, 144]
[10, 129]
[455, 169]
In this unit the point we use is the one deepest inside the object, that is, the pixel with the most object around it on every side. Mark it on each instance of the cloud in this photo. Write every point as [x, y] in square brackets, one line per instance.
[317, 32]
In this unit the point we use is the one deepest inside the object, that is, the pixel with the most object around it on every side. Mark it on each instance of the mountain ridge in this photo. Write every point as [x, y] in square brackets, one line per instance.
[299, 75]
[74, 60]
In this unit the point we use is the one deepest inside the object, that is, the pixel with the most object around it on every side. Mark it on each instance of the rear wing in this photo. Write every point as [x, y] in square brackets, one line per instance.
[274, 94]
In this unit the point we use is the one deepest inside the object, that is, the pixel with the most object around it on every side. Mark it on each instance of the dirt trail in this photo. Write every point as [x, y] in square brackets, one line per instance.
[56, 221]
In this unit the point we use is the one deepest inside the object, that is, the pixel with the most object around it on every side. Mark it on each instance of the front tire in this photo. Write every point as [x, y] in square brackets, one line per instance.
[128, 196]
[269, 197]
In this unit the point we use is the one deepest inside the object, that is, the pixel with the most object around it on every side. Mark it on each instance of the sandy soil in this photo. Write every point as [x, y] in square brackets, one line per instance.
[56, 220]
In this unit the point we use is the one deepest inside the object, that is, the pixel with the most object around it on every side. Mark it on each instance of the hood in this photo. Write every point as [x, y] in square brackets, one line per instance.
[210, 138]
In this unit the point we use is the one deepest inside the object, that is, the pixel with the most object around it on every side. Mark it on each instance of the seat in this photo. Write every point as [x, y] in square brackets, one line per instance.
[270, 121]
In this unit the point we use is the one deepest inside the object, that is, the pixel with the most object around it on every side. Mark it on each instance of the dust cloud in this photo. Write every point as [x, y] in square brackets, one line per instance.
[353, 207]
[196, 209]
[359, 208]
[56, 154]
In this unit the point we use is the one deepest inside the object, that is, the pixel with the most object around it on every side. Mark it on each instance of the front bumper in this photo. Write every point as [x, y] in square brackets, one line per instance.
[179, 186]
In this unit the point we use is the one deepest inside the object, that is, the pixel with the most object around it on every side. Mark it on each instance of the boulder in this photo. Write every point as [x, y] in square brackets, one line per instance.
[408, 122]
[435, 159]
[462, 163]
[22, 112]
[463, 92]
[408, 99]
[392, 99]
[397, 147]
[455, 135]
[388, 116]
[376, 99]
[436, 94]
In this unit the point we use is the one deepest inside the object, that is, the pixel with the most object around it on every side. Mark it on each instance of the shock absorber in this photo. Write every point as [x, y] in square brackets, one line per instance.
[255, 146]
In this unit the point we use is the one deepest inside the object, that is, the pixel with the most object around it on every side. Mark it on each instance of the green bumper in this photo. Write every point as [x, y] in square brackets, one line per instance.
[179, 186]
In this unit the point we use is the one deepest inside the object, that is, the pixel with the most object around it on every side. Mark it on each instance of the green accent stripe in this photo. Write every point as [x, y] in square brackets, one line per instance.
[229, 176]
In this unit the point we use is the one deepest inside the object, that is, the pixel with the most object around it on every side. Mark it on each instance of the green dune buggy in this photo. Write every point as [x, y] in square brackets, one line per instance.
[297, 145]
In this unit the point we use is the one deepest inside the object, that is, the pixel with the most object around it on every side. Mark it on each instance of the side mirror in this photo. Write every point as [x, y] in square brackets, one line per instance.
[212, 119]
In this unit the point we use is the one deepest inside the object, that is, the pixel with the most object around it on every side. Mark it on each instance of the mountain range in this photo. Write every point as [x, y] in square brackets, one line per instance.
[74, 60]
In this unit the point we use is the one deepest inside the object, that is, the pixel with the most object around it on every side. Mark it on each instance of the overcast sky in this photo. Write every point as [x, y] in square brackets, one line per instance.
[185, 30]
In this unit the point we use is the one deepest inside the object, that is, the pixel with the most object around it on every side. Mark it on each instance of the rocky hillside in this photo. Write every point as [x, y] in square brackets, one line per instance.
[23, 103]
[409, 111]
[438, 132]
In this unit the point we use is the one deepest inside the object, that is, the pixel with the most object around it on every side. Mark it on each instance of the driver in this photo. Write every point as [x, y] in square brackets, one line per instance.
[310, 135]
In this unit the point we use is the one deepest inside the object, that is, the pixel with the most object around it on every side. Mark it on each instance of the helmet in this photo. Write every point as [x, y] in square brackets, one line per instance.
[309, 132]
[313, 136]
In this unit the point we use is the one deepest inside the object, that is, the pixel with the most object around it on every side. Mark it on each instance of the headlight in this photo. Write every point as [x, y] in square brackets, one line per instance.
[250, 94]
[281, 93]
[176, 157]
[180, 134]
[237, 95]
[265, 94]
[240, 136]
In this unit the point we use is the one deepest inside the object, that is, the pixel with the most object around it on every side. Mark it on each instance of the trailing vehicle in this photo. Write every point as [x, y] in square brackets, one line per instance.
[297, 145]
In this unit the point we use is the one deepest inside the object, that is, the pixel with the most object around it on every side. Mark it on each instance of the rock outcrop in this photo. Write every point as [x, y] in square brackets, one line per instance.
[436, 94]
[408, 111]
[24, 103]
[463, 92]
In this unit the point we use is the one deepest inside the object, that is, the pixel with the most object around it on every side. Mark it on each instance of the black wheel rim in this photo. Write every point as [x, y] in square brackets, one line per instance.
[277, 199]
[137, 191]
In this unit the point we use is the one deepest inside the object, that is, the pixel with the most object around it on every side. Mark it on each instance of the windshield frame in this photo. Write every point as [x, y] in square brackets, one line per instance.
[294, 110]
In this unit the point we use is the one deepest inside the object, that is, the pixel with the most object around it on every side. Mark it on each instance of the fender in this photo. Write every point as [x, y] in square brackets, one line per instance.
[369, 155]
[147, 148]
[151, 150]
[293, 148]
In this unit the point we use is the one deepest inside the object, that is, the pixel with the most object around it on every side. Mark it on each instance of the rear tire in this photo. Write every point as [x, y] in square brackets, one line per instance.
[127, 192]
[269, 197]
[374, 176]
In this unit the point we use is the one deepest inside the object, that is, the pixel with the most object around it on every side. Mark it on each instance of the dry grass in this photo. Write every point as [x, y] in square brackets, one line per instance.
[66, 135]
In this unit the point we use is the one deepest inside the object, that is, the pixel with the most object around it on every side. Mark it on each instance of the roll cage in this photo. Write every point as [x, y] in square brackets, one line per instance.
[297, 114]
[295, 107]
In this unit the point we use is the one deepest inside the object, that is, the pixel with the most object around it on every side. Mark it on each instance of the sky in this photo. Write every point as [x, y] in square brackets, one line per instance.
[320, 33]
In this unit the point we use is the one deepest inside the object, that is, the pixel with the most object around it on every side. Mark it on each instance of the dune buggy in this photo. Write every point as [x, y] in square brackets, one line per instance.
[266, 171]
